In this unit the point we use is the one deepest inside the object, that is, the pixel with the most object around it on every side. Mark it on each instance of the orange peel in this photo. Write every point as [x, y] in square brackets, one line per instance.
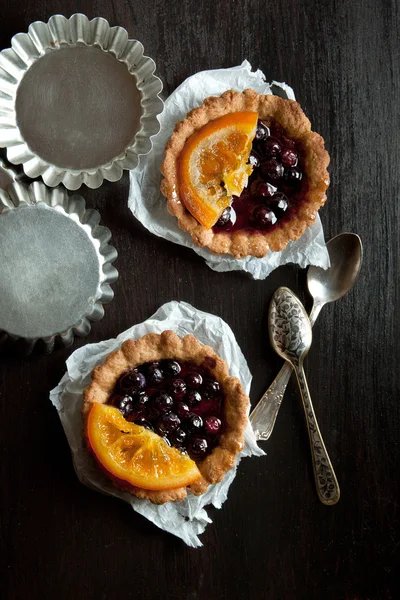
[135, 454]
[213, 165]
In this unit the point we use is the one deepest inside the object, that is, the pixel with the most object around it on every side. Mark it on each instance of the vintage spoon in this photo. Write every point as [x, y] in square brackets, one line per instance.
[345, 253]
[290, 334]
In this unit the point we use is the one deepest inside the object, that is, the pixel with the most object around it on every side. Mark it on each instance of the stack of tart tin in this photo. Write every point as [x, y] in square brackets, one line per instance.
[78, 104]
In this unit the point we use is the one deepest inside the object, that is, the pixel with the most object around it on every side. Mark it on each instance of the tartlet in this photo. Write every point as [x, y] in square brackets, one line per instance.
[286, 157]
[176, 395]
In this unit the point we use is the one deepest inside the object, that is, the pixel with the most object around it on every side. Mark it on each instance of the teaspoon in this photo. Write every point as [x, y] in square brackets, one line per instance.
[345, 254]
[290, 334]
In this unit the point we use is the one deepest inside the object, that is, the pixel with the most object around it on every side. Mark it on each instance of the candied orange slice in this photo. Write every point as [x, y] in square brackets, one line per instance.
[135, 454]
[213, 165]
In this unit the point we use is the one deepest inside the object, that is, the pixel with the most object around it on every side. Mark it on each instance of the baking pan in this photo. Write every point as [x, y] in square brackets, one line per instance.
[55, 268]
[78, 101]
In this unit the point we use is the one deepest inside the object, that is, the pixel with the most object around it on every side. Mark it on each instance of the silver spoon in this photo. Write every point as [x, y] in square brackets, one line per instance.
[345, 253]
[290, 334]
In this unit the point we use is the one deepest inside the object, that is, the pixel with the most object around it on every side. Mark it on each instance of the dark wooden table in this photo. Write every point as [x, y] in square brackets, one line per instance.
[272, 539]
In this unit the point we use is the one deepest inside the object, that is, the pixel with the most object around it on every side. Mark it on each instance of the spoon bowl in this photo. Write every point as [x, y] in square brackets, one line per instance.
[289, 327]
[345, 253]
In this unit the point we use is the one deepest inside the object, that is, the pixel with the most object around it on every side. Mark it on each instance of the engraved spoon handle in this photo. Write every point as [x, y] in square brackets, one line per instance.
[325, 478]
[264, 415]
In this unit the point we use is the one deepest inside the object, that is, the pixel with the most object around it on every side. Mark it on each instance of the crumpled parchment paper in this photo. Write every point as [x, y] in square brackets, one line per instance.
[186, 519]
[150, 207]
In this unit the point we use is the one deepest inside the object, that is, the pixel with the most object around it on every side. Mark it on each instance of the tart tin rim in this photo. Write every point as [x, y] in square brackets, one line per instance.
[20, 195]
[60, 32]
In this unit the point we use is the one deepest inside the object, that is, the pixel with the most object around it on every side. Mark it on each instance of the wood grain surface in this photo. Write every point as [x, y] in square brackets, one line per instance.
[272, 539]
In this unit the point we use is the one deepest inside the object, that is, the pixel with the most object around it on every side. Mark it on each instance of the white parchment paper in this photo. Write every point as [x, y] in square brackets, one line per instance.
[186, 519]
[150, 207]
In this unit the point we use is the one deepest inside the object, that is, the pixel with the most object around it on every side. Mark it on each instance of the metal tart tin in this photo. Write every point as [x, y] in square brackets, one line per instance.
[55, 268]
[78, 101]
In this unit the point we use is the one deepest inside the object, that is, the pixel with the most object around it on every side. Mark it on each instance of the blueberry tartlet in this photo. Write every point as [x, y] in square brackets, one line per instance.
[163, 416]
[244, 173]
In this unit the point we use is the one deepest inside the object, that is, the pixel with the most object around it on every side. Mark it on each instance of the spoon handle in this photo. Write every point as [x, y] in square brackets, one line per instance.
[264, 415]
[325, 478]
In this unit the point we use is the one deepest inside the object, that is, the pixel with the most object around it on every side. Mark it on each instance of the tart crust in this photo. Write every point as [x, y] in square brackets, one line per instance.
[289, 115]
[168, 345]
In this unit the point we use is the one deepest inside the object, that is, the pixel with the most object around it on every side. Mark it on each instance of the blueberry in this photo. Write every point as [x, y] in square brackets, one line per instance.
[212, 425]
[264, 217]
[133, 380]
[167, 423]
[193, 397]
[254, 159]
[177, 389]
[289, 158]
[123, 403]
[293, 175]
[198, 447]
[224, 218]
[271, 148]
[262, 131]
[211, 388]
[272, 170]
[182, 410]
[171, 368]
[162, 402]
[178, 437]
[154, 375]
[265, 189]
[278, 203]
[194, 423]
[193, 380]
[140, 398]
[136, 414]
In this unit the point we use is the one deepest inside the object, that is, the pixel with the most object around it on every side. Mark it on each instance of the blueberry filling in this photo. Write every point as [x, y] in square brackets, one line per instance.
[275, 188]
[180, 401]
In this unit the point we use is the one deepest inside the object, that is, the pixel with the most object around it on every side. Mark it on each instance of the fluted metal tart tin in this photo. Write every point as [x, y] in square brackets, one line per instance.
[56, 265]
[78, 101]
